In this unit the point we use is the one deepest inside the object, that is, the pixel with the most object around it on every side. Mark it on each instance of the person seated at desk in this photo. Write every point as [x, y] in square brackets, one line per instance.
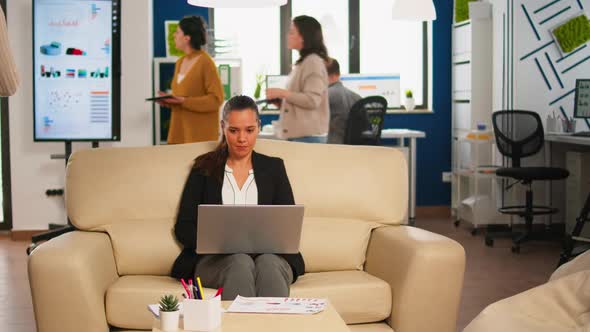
[341, 101]
[234, 173]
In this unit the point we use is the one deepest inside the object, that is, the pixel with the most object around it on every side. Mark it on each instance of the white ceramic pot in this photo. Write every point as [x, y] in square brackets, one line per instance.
[169, 320]
[410, 104]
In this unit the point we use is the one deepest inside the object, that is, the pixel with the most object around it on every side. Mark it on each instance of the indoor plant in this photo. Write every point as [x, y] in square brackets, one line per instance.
[260, 79]
[410, 104]
[169, 313]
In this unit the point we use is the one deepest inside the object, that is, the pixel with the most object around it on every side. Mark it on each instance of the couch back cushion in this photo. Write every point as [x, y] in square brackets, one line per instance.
[133, 194]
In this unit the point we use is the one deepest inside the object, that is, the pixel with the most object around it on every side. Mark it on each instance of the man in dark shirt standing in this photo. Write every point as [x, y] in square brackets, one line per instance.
[341, 100]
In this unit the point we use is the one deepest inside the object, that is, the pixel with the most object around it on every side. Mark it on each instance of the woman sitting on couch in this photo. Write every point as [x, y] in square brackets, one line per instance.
[234, 173]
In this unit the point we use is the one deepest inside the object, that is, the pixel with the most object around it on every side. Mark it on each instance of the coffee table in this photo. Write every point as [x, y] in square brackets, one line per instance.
[325, 321]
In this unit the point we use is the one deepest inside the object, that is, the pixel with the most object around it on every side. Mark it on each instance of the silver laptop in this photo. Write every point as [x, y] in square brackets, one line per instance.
[250, 229]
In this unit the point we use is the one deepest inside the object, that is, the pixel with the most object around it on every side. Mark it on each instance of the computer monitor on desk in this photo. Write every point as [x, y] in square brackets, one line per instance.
[582, 103]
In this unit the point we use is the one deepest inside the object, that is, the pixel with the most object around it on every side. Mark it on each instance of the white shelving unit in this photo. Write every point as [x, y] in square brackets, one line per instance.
[474, 185]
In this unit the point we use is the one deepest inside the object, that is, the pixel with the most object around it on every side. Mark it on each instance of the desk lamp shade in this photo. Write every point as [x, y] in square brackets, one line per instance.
[237, 3]
[414, 10]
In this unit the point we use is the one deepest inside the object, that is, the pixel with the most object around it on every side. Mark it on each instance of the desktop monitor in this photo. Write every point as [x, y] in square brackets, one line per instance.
[582, 100]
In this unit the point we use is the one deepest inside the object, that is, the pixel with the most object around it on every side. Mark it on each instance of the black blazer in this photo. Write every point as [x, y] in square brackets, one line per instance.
[273, 189]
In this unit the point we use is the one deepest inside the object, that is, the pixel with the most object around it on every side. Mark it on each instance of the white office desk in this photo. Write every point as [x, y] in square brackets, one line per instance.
[567, 139]
[556, 147]
[400, 134]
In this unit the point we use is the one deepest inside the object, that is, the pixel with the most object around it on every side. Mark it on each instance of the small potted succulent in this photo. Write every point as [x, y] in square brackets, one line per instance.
[410, 104]
[169, 313]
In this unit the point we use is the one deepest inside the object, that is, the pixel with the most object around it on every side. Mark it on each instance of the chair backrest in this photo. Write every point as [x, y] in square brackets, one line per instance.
[365, 121]
[518, 134]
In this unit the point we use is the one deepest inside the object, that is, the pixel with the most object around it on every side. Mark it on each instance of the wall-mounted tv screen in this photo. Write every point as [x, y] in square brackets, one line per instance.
[76, 59]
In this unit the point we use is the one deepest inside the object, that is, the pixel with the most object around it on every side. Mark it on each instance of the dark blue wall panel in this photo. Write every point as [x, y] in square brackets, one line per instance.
[165, 10]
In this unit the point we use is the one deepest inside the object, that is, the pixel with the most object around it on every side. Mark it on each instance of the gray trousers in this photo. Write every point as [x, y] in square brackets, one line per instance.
[265, 275]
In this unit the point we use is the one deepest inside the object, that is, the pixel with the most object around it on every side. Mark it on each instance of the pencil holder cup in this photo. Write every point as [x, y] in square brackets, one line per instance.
[569, 126]
[202, 315]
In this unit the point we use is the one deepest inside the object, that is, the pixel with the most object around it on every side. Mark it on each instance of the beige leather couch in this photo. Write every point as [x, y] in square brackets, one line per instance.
[560, 305]
[378, 274]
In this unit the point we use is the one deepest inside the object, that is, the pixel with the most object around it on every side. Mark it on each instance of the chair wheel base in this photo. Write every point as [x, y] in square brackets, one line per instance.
[474, 232]
[489, 242]
[456, 223]
[515, 249]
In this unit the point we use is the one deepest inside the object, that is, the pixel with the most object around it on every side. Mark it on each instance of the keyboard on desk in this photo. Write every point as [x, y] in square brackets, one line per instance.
[582, 134]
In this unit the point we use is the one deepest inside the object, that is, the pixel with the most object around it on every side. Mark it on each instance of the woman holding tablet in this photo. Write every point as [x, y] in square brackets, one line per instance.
[234, 173]
[305, 111]
[196, 87]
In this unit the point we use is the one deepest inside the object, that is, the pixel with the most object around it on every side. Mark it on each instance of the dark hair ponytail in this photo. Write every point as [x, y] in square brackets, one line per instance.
[211, 163]
[313, 39]
[194, 27]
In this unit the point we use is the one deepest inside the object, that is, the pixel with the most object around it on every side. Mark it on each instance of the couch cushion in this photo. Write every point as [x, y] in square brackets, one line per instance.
[357, 296]
[119, 185]
[561, 305]
[329, 244]
[578, 264]
[143, 248]
[375, 327]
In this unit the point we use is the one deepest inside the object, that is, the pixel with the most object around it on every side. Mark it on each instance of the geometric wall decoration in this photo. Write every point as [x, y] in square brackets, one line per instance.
[556, 56]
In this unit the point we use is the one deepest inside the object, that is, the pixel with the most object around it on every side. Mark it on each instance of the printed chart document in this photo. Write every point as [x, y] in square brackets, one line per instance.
[277, 305]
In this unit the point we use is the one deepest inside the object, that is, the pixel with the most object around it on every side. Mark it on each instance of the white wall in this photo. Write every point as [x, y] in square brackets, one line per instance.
[530, 90]
[32, 171]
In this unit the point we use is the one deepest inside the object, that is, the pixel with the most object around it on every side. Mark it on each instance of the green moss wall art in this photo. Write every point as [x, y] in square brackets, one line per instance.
[171, 49]
[462, 10]
[573, 33]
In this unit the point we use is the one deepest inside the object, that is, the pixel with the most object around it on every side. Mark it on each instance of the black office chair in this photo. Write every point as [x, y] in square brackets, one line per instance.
[365, 121]
[520, 134]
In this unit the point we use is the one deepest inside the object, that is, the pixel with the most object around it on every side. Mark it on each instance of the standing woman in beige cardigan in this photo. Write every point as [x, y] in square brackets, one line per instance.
[305, 113]
[196, 87]
[8, 76]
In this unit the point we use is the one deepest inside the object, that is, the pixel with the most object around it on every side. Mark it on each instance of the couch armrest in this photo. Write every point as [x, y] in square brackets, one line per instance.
[69, 276]
[425, 272]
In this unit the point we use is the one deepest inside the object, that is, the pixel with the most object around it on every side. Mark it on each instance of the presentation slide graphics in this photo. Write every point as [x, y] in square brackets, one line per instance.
[52, 49]
[49, 72]
[98, 73]
[73, 76]
[70, 73]
[75, 51]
